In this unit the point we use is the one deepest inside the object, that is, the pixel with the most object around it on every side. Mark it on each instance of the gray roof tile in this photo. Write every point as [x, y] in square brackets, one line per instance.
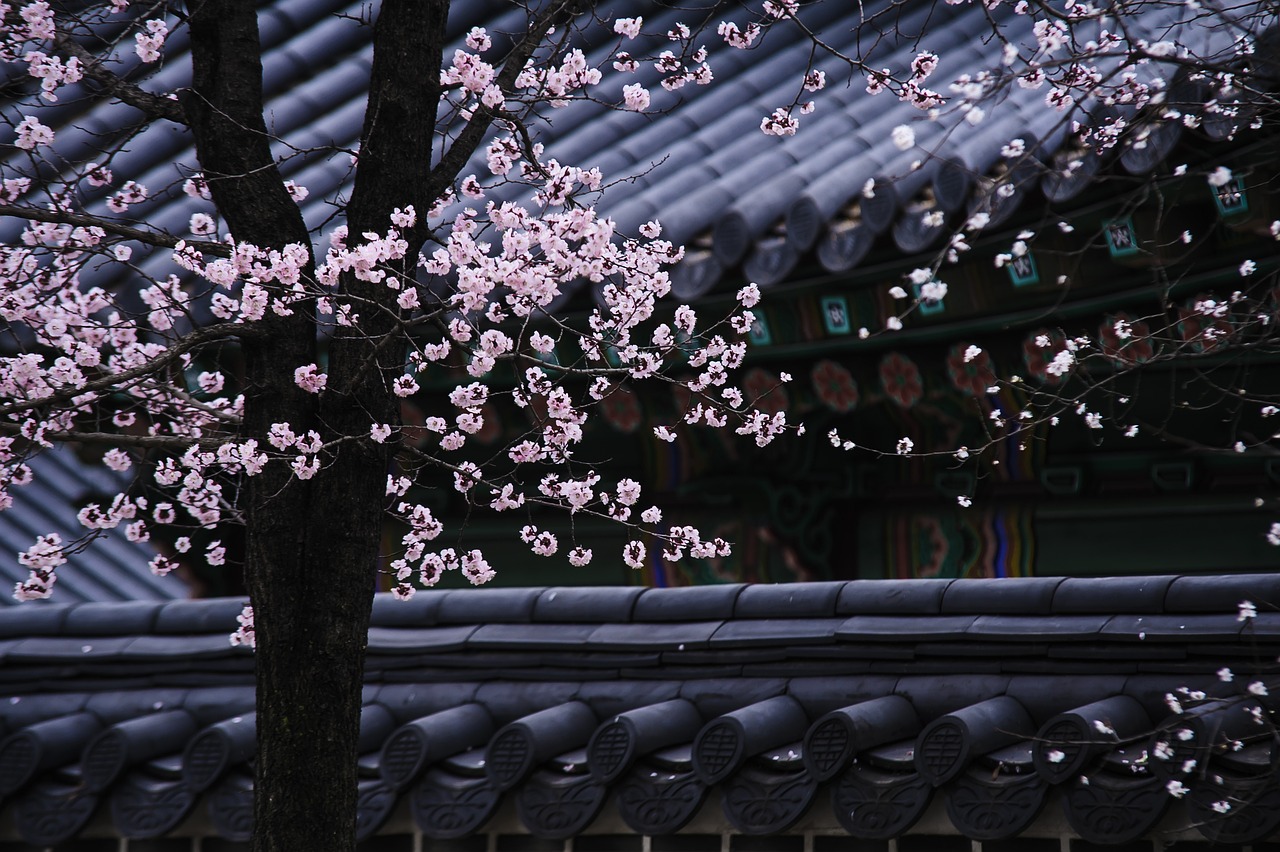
[108, 618]
[586, 604]
[386, 640]
[673, 637]
[1031, 628]
[34, 619]
[419, 611]
[772, 631]
[488, 605]
[67, 649]
[1161, 628]
[892, 597]
[788, 600]
[1105, 594]
[889, 628]
[1219, 594]
[697, 603]
[207, 646]
[1014, 596]
[199, 616]
[531, 637]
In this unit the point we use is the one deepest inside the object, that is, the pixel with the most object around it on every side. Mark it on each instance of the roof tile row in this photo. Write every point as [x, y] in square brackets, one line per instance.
[736, 196]
[981, 695]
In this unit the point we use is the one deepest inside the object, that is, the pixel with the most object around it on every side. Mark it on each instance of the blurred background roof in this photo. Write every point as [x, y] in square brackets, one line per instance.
[112, 569]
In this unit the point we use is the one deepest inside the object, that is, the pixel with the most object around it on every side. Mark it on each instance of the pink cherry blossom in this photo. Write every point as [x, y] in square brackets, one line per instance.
[32, 134]
[478, 39]
[309, 378]
[780, 123]
[739, 38]
[635, 97]
[150, 41]
[628, 27]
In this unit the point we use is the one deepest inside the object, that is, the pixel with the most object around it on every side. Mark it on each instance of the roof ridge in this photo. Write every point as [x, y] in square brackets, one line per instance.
[1026, 597]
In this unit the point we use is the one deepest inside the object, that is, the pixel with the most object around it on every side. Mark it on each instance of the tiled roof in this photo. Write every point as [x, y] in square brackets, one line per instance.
[737, 198]
[113, 569]
[999, 708]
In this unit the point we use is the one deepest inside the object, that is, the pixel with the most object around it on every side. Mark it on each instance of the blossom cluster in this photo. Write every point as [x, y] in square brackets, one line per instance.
[149, 366]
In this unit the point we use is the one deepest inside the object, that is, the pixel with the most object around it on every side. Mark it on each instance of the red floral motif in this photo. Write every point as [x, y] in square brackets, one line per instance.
[621, 410]
[1136, 348]
[900, 378]
[1038, 358]
[972, 377]
[1199, 324]
[834, 386]
[759, 382]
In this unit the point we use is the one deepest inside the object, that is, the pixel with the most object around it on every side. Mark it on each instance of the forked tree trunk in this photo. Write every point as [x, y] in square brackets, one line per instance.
[313, 546]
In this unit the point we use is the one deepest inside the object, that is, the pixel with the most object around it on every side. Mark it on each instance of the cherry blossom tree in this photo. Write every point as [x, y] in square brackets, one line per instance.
[250, 364]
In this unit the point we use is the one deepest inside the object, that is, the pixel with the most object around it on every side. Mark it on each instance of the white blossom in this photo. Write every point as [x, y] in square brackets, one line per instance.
[1219, 177]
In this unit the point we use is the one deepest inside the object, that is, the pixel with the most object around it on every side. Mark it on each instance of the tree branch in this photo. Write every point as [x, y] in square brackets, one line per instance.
[115, 86]
[472, 135]
[158, 239]
[185, 344]
[119, 439]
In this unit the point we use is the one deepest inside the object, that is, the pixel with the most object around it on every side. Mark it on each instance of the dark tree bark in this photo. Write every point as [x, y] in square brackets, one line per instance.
[316, 598]
[313, 546]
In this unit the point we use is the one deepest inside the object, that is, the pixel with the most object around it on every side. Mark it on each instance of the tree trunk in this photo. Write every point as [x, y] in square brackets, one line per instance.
[312, 547]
